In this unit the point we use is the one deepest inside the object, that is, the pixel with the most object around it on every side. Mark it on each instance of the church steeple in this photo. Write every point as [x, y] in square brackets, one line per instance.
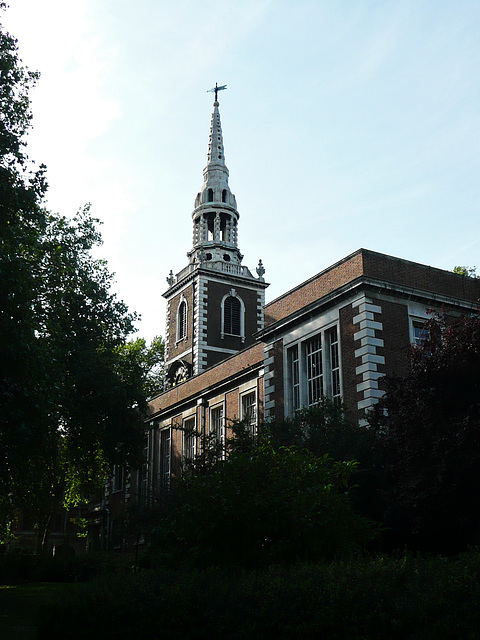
[215, 304]
[215, 217]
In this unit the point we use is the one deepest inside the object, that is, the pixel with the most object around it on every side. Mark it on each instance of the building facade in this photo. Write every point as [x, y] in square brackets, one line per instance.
[231, 357]
[337, 335]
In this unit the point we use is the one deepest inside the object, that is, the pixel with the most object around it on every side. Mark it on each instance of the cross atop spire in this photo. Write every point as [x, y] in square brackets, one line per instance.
[216, 89]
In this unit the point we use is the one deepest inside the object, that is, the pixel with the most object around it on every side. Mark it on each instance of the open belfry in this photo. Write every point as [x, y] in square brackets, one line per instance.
[214, 305]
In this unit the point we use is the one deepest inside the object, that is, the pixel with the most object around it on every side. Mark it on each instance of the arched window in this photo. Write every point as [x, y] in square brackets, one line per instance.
[224, 195]
[182, 320]
[210, 195]
[233, 316]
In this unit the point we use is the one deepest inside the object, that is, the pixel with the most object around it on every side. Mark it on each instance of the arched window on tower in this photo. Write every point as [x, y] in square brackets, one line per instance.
[224, 195]
[182, 320]
[233, 311]
[210, 195]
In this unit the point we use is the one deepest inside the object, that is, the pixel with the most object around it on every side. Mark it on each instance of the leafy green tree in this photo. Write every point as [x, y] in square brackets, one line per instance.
[466, 271]
[72, 389]
[323, 429]
[151, 359]
[261, 506]
[427, 430]
[22, 222]
[326, 430]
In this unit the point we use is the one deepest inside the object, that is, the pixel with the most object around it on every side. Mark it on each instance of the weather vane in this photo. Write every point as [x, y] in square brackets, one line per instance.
[216, 89]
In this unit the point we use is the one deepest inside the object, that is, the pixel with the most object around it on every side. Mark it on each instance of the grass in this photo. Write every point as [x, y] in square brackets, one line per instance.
[19, 605]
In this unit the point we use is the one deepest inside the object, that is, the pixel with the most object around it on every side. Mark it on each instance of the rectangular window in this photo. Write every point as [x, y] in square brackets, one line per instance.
[313, 370]
[294, 370]
[165, 458]
[189, 439]
[118, 477]
[232, 310]
[217, 424]
[142, 474]
[313, 352]
[419, 332]
[248, 409]
[334, 362]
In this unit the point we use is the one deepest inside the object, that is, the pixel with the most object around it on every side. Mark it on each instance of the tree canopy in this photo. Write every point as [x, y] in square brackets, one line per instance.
[72, 388]
[428, 439]
[260, 507]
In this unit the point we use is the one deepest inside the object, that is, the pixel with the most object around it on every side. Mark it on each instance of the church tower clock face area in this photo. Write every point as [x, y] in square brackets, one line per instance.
[214, 304]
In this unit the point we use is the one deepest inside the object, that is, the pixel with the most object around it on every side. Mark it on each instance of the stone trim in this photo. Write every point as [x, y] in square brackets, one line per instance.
[366, 353]
[200, 325]
[269, 381]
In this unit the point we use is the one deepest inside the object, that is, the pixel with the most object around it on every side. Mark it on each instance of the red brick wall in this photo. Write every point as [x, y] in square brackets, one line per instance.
[349, 364]
[419, 276]
[232, 399]
[396, 337]
[260, 396]
[175, 349]
[277, 353]
[315, 288]
[247, 358]
[374, 265]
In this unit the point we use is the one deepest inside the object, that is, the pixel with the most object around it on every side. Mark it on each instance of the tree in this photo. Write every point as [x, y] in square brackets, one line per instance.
[72, 391]
[261, 505]
[428, 436]
[465, 271]
[151, 359]
[323, 429]
[22, 222]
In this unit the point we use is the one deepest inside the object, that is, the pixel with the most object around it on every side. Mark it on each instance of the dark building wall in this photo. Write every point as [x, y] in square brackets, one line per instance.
[320, 285]
[252, 357]
[396, 337]
[349, 364]
[215, 294]
[176, 348]
[420, 276]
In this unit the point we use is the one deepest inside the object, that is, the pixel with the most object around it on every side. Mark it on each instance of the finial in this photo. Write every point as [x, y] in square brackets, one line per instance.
[170, 278]
[260, 270]
[215, 90]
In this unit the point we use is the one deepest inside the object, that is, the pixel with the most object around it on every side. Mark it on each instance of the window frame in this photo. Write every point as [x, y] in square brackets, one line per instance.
[118, 478]
[252, 423]
[183, 304]
[417, 322]
[189, 440]
[165, 458]
[311, 375]
[218, 427]
[233, 294]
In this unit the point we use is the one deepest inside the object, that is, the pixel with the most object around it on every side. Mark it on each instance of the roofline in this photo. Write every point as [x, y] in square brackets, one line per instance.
[218, 384]
[362, 251]
[372, 283]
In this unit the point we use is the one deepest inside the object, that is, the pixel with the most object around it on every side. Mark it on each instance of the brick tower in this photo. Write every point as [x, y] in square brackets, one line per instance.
[215, 304]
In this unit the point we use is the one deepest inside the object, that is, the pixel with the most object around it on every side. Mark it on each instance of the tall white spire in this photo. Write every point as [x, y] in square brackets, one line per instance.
[215, 216]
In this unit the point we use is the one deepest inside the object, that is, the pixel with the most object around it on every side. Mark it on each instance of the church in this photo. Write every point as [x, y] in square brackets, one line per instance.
[230, 356]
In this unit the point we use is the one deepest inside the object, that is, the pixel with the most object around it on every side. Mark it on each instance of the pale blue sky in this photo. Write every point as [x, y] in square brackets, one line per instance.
[346, 124]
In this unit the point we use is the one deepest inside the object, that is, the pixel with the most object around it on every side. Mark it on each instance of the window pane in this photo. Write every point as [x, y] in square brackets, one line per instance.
[334, 363]
[189, 439]
[294, 370]
[217, 423]
[249, 409]
[165, 457]
[313, 351]
[182, 320]
[420, 333]
[231, 316]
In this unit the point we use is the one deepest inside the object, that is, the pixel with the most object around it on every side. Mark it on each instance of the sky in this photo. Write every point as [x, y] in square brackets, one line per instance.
[346, 124]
